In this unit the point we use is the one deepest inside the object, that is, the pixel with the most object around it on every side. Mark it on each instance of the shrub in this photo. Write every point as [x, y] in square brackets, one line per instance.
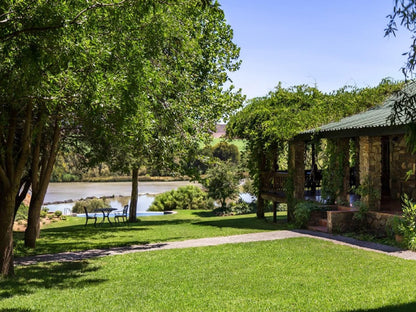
[58, 213]
[90, 204]
[395, 226]
[302, 213]
[186, 197]
[409, 222]
[44, 212]
[360, 217]
[22, 212]
[222, 182]
[226, 152]
[237, 208]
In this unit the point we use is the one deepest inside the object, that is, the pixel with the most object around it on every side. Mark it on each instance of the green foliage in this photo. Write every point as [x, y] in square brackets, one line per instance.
[360, 217]
[369, 194]
[248, 187]
[408, 227]
[236, 208]
[302, 213]
[58, 213]
[405, 13]
[395, 226]
[44, 212]
[268, 122]
[226, 152]
[185, 197]
[22, 212]
[90, 204]
[333, 175]
[222, 182]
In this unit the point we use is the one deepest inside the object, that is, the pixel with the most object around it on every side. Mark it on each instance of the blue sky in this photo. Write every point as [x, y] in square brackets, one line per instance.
[327, 43]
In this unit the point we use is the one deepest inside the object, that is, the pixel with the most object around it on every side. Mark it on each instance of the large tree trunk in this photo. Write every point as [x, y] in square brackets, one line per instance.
[6, 234]
[12, 166]
[134, 195]
[42, 167]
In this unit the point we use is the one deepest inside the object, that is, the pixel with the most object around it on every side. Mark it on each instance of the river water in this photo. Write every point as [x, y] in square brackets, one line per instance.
[58, 192]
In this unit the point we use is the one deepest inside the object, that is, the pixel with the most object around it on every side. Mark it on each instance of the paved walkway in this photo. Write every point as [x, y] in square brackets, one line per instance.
[211, 241]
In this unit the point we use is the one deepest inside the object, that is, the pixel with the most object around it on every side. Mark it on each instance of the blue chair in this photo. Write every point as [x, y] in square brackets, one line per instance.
[121, 214]
[87, 217]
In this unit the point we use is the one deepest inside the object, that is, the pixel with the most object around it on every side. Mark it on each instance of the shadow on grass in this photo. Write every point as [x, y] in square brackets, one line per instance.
[248, 222]
[78, 237]
[58, 276]
[406, 307]
[17, 310]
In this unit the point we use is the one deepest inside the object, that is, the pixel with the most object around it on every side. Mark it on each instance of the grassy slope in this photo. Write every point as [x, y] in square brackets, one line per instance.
[298, 274]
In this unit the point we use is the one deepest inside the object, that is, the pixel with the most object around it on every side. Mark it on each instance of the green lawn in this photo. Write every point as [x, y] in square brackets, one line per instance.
[298, 274]
[71, 235]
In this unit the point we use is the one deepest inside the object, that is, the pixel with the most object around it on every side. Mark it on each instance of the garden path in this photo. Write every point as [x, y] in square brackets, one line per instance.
[212, 241]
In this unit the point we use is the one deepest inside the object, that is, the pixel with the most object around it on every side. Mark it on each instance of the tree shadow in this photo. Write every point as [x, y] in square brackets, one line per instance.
[59, 276]
[17, 310]
[248, 222]
[405, 307]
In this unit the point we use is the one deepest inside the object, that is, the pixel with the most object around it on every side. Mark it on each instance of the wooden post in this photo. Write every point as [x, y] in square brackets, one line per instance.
[275, 211]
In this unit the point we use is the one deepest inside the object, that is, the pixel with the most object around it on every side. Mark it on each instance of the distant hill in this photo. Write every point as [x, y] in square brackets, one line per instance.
[220, 131]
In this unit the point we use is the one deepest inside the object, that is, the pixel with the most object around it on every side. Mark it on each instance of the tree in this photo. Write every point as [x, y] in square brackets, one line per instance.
[404, 12]
[171, 91]
[225, 151]
[404, 109]
[60, 62]
[222, 181]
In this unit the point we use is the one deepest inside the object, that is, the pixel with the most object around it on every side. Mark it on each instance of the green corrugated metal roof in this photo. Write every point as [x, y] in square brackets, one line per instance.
[376, 117]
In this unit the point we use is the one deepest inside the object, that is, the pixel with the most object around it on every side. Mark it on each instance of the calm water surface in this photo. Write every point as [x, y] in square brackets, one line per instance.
[78, 190]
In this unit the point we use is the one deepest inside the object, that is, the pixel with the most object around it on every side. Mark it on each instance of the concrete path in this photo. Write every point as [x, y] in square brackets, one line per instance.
[211, 241]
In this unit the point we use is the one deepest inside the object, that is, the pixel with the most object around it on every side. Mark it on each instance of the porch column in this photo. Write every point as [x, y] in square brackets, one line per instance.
[343, 149]
[260, 201]
[370, 170]
[296, 167]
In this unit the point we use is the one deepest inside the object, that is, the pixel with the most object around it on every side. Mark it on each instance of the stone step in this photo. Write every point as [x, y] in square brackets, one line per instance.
[318, 228]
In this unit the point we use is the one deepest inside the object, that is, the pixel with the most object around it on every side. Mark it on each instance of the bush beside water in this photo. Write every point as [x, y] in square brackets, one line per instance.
[186, 197]
[90, 204]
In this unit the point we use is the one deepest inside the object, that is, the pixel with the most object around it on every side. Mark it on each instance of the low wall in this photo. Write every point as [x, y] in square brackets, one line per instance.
[376, 221]
[340, 221]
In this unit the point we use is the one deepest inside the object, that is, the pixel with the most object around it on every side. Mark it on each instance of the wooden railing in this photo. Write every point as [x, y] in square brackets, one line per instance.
[273, 182]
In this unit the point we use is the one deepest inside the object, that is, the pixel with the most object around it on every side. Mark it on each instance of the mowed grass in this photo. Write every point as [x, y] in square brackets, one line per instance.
[298, 274]
[72, 235]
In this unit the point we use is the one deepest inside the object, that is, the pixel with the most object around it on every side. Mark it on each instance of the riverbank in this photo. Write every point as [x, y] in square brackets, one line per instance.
[127, 178]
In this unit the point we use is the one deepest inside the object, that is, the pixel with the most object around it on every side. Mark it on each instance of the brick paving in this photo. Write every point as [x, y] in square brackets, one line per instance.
[212, 241]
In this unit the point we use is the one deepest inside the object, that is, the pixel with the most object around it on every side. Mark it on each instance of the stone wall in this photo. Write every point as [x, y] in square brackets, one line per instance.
[377, 221]
[370, 166]
[401, 162]
[340, 221]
